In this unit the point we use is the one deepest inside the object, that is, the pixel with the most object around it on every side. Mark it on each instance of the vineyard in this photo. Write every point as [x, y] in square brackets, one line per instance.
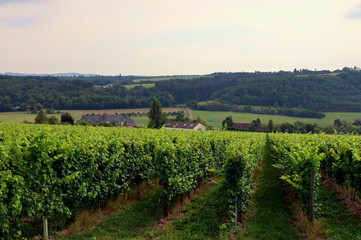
[303, 157]
[46, 172]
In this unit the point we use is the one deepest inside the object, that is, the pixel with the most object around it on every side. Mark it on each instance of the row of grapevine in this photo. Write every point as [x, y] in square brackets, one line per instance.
[238, 170]
[49, 170]
[343, 161]
[302, 157]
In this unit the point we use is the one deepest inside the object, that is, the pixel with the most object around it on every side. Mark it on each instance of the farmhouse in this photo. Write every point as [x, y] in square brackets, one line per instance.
[191, 126]
[249, 126]
[118, 120]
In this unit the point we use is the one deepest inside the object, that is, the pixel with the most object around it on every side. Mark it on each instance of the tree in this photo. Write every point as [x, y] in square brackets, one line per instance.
[257, 122]
[337, 123]
[50, 111]
[181, 117]
[156, 117]
[357, 122]
[67, 119]
[270, 126]
[41, 118]
[53, 120]
[227, 123]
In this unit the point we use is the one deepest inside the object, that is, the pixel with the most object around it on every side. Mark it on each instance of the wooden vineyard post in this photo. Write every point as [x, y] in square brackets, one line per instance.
[165, 187]
[312, 197]
[45, 228]
[236, 209]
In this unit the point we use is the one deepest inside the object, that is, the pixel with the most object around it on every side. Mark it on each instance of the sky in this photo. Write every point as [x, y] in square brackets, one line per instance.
[172, 37]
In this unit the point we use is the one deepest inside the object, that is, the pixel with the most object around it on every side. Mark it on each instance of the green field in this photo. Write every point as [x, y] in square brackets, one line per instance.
[165, 78]
[212, 118]
[146, 85]
[215, 118]
[21, 116]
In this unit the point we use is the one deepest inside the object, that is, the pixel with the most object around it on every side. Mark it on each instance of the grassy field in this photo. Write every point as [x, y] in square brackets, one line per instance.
[146, 85]
[165, 78]
[215, 118]
[77, 114]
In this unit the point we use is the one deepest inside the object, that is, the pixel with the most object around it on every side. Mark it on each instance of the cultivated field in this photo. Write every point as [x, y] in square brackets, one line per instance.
[165, 78]
[77, 114]
[212, 118]
[215, 118]
[94, 183]
[146, 85]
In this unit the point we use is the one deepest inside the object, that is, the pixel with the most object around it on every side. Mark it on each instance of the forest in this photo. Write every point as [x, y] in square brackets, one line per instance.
[290, 93]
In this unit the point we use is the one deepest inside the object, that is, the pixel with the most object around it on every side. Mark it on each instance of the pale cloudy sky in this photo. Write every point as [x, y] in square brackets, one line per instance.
[166, 37]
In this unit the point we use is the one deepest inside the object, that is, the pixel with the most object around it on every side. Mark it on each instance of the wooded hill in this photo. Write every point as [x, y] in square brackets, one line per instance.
[312, 91]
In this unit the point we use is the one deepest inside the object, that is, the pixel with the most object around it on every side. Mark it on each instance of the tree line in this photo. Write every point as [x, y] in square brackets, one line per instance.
[293, 94]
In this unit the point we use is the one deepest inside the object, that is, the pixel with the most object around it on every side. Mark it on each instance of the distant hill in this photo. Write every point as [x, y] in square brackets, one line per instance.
[322, 91]
[50, 74]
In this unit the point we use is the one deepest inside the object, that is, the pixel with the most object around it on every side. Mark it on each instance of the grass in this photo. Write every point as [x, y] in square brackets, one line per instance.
[203, 218]
[146, 85]
[269, 216]
[165, 78]
[77, 114]
[215, 118]
[339, 223]
[133, 222]
[22, 116]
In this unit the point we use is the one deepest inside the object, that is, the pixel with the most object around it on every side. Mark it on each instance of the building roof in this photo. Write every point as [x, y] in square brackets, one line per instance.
[127, 121]
[249, 125]
[184, 125]
[242, 125]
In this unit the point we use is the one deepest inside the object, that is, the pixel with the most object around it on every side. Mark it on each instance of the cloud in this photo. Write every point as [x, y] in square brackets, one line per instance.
[355, 14]
[2, 2]
[20, 22]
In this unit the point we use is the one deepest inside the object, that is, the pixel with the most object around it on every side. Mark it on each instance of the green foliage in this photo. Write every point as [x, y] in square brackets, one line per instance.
[52, 120]
[256, 122]
[316, 93]
[357, 122]
[269, 216]
[238, 170]
[270, 126]
[41, 118]
[49, 170]
[132, 222]
[297, 156]
[156, 116]
[336, 155]
[227, 123]
[181, 117]
[203, 217]
[339, 223]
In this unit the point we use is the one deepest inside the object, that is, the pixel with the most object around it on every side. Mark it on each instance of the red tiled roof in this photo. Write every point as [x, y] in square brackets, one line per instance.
[242, 125]
[249, 125]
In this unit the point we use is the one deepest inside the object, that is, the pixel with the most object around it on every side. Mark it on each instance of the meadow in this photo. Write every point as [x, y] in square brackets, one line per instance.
[215, 118]
[12, 117]
[165, 78]
[146, 85]
[212, 118]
